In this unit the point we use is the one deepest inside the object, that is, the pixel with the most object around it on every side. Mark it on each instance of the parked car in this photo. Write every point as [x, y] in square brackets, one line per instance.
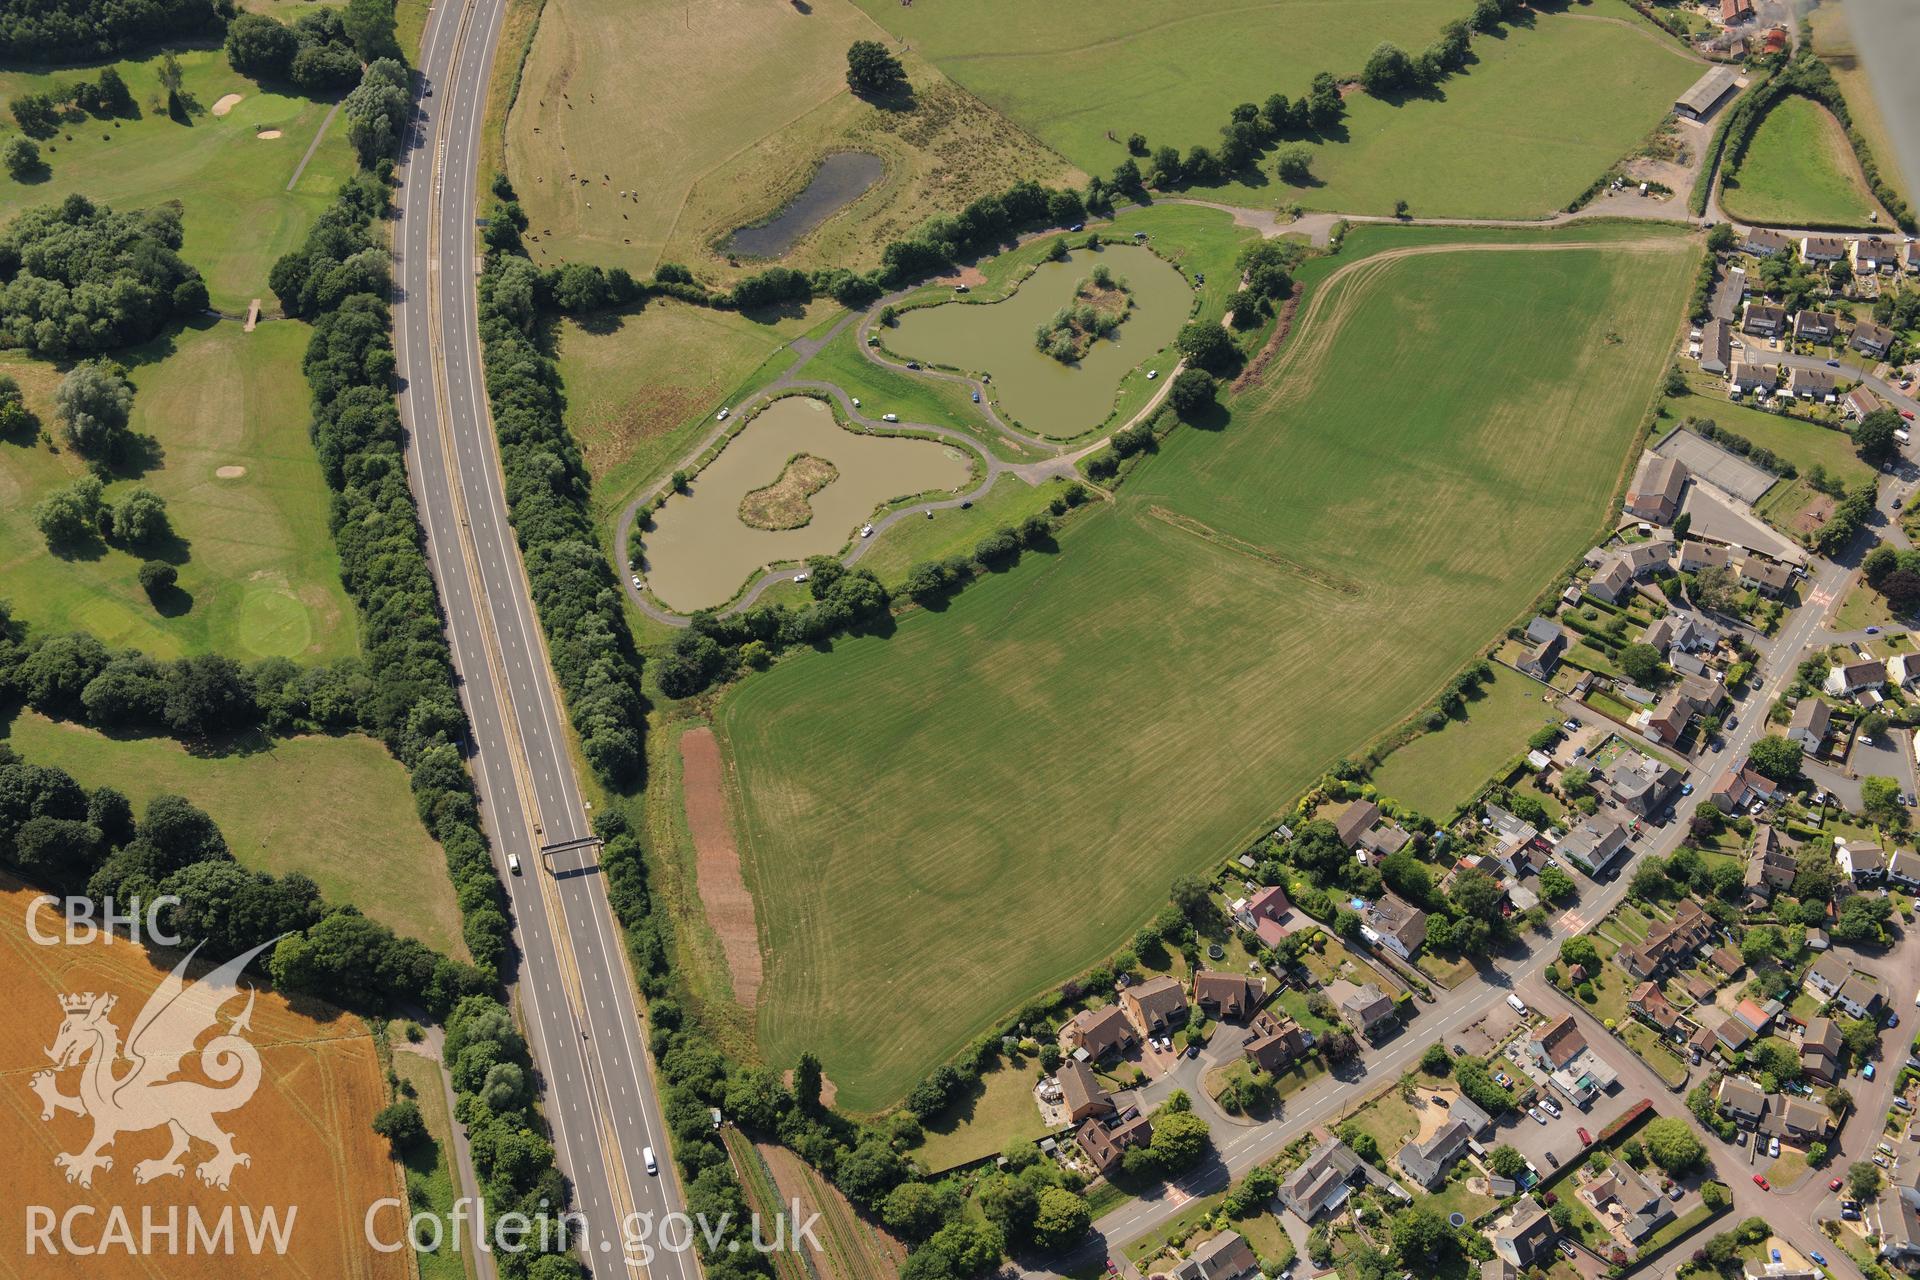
[1586, 1139]
[1570, 725]
[1551, 1107]
[889, 417]
[1686, 788]
[1866, 1072]
[1833, 1185]
[1760, 1181]
[1850, 1215]
[1773, 1147]
[1567, 1250]
[1893, 1019]
[722, 415]
[913, 364]
[1882, 1161]
[1538, 1118]
[1873, 631]
[976, 397]
[1675, 1191]
[637, 584]
[1460, 1050]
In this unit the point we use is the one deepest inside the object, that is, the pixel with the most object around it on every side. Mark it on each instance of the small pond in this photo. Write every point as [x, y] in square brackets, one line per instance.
[1045, 395]
[842, 178]
[699, 553]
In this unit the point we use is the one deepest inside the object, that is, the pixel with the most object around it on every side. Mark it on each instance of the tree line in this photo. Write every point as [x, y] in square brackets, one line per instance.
[86, 30]
[321, 51]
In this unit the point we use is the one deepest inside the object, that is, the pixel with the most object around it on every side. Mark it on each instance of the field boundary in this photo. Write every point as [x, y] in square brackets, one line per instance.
[723, 891]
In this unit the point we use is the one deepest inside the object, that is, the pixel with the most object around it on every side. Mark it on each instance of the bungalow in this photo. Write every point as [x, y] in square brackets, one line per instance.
[1816, 326]
[1871, 339]
[1764, 320]
[1873, 254]
[1641, 784]
[1860, 402]
[1323, 1181]
[1813, 384]
[1105, 1143]
[1613, 580]
[1823, 248]
[1265, 912]
[1156, 1005]
[1696, 555]
[1742, 1101]
[1625, 1199]
[1811, 720]
[1595, 845]
[1657, 485]
[1545, 641]
[1863, 861]
[1276, 1041]
[1903, 868]
[1525, 1238]
[1226, 1256]
[1752, 377]
[1825, 976]
[1698, 102]
[1756, 1016]
[1820, 1049]
[1860, 996]
[1651, 1004]
[1769, 577]
[1427, 1162]
[1667, 943]
[1849, 678]
[1367, 1007]
[1899, 1215]
[1360, 825]
[1397, 925]
[1764, 242]
[1099, 1032]
[1081, 1092]
[1229, 997]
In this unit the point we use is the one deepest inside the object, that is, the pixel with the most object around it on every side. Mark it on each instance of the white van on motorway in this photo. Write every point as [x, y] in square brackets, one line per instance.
[513, 862]
[646, 1154]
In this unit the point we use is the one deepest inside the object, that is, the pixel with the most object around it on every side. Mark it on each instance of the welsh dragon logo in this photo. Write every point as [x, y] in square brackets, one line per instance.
[144, 1093]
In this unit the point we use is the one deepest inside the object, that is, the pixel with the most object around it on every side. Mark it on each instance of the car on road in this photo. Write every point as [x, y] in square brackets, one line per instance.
[1866, 1072]
[1833, 1185]
[1818, 1257]
[913, 364]
[1536, 1115]
[1873, 631]
[866, 530]
[1078, 226]
[889, 417]
[646, 1154]
[1111, 1269]
[1760, 1181]
[637, 584]
[976, 397]
[1586, 1139]
[1907, 414]
[1686, 788]
[800, 576]
[1833, 364]
[513, 862]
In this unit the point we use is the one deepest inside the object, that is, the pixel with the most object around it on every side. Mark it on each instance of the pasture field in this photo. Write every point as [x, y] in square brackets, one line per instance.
[232, 185]
[1799, 171]
[995, 793]
[259, 576]
[736, 108]
[336, 809]
[1833, 41]
[1542, 112]
[1438, 771]
[315, 1157]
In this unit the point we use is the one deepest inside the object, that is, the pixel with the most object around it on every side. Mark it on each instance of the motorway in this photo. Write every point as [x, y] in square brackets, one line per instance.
[573, 988]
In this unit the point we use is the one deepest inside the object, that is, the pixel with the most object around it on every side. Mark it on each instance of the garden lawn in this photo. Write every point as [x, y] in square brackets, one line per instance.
[1799, 172]
[1804, 444]
[259, 576]
[999, 1114]
[1444, 435]
[1437, 772]
[231, 184]
[336, 809]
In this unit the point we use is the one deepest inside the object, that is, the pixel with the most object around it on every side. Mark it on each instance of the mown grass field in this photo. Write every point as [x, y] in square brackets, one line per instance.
[737, 106]
[1799, 171]
[258, 572]
[991, 796]
[1542, 112]
[1438, 771]
[239, 215]
[336, 809]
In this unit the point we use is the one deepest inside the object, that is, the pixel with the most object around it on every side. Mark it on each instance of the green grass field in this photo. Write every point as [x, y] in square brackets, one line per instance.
[1543, 111]
[1438, 771]
[260, 568]
[337, 809]
[736, 110]
[997, 1115]
[231, 184]
[994, 794]
[1799, 171]
[429, 1164]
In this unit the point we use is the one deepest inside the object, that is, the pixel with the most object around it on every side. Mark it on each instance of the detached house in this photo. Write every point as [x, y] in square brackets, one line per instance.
[1864, 861]
[1367, 1007]
[1276, 1041]
[1860, 402]
[1903, 869]
[1081, 1092]
[1397, 925]
[1155, 1006]
[1230, 997]
[1655, 492]
[1825, 976]
[1226, 1256]
[1849, 678]
[1360, 825]
[1872, 340]
[1595, 845]
[1323, 1181]
[1641, 784]
[1098, 1032]
[1860, 996]
[1742, 1101]
[1696, 555]
[1811, 720]
[1427, 1162]
[1816, 326]
[1764, 320]
[1613, 580]
[1104, 1140]
[1265, 912]
[1525, 1238]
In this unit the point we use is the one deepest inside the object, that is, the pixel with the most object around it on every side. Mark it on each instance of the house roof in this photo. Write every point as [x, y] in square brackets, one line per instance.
[1399, 918]
[1224, 1257]
[1100, 1029]
[1352, 820]
[1752, 1014]
[1233, 993]
[1659, 476]
[1767, 240]
[1874, 334]
[1824, 246]
[1529, 1232]
[1367, 1004]
[1812, 715]
[1823, 1032]
[1560, 1042]
[1858, 989]
[1080, 1087]
[1742, 1095]
[1311, 1187]
[1158, 997]
[1653, 1005]
[1831, 971]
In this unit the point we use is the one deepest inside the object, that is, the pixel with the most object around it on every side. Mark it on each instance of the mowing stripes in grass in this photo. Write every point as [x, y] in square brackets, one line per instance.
[940, 822]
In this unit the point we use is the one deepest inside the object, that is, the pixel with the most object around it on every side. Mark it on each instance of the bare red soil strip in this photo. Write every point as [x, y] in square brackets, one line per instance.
[1251, 375]
[723, 892]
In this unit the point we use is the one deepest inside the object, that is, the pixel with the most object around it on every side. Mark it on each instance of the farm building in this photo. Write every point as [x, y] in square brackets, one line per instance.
[1707, 93]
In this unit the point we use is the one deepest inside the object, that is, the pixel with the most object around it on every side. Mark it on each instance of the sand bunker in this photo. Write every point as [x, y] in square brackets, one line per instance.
[228, 103]
[267, 133]
[230, 473]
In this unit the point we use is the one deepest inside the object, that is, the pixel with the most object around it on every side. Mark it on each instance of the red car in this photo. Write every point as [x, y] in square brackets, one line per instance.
[1586, 1139]
[1762, 1183]
[1907, 414]
[1834, 1185]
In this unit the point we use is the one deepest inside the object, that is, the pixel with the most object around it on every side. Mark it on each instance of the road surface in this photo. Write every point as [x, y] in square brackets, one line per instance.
[572, 984]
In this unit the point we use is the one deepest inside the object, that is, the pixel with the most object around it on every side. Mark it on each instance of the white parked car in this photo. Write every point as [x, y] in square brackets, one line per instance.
[889, 417]
[637, 584]
[800, 576]
[1773, 1147]
[856, 401]
[866, 531]
[722, 415]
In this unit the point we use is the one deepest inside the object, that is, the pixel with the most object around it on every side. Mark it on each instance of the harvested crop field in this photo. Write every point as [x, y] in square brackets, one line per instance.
[723, 893]
[315, 1160]
[1441, 436]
